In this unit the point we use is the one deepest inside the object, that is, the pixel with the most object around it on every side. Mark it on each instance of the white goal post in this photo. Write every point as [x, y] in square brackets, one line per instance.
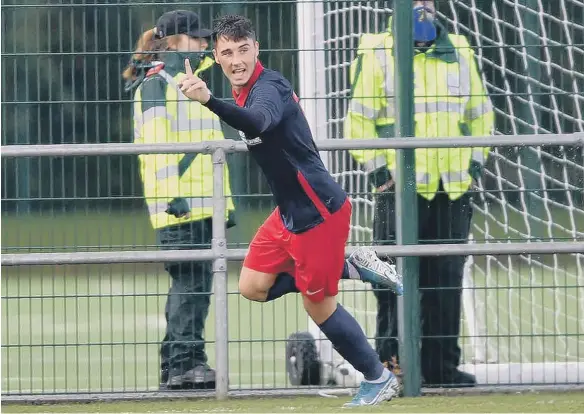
[523, 316]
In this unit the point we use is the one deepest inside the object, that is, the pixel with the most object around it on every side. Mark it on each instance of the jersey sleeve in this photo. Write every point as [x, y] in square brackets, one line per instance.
[264, 113]
[479, 115]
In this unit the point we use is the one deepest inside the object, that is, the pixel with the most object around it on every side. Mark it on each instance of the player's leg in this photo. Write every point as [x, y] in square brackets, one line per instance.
[183, 349]
[264, 286]
[319, 256]
[386, 320]
[442, 298]
[266, 272]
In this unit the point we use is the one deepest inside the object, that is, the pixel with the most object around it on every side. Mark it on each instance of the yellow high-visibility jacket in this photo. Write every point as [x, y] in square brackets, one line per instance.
[450, 100]
[162, 114]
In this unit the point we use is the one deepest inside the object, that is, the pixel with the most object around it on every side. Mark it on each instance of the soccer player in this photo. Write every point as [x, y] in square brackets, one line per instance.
[301, 246]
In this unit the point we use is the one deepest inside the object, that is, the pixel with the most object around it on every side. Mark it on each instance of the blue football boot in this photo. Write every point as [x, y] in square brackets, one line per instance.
[375, 393]
[373, 270]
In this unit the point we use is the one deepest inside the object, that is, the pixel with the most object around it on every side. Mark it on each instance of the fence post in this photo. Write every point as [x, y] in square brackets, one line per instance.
[532, 115]
[219, 248]
[406, 211]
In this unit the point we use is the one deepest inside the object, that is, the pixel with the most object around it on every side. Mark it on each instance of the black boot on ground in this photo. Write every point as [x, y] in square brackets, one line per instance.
[201, 377]
[456, 379]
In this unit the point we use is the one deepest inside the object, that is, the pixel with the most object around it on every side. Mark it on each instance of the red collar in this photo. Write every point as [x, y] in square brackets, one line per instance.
[242, 96]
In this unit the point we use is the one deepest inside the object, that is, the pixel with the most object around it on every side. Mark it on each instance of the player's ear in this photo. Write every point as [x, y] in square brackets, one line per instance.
[257, 49]
[215, 55]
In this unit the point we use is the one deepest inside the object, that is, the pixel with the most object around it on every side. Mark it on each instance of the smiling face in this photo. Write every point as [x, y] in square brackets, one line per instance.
[237, 58]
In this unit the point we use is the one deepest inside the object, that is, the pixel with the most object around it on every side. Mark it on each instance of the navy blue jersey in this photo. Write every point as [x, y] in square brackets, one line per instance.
[277, 134]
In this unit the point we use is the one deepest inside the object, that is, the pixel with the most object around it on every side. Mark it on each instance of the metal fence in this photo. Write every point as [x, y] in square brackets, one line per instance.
[34, 358]
[83, 286]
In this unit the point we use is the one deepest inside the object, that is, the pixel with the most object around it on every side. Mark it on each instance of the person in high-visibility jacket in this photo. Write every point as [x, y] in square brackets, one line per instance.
[178, 188]
[450, 100]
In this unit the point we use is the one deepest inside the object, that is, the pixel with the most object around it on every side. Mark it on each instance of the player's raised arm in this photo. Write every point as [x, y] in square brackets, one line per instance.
[261, 116]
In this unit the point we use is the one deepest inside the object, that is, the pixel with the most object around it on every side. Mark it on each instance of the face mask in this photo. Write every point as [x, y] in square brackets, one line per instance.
[194, 57]
[424, 28]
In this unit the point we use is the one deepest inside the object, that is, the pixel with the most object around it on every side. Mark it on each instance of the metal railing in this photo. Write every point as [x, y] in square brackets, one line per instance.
[219, 253]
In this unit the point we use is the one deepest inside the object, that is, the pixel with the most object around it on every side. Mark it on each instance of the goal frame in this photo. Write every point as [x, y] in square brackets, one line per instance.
[313, 99]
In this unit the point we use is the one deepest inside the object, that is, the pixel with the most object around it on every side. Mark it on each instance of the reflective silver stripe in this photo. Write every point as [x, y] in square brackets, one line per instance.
[478, 155]
[363, 110]
[459, 82]
[442, 106]
[170, 80]
[478, 111]
[422, 107]
[422, 178]
[386, 112]
[198, 202]
[377, 162]
[455, 176]
[169, 171]
[388, 86]
[152, 113]
[156, 112]
[186, 124]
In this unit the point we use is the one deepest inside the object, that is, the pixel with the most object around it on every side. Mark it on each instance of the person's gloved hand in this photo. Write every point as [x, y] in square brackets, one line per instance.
[178, 207]
[475, 170]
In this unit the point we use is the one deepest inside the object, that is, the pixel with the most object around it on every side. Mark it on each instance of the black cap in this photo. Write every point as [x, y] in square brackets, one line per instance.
[181, 22]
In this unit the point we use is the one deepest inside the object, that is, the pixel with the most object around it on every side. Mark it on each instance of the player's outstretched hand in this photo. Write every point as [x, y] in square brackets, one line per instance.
[193, 87]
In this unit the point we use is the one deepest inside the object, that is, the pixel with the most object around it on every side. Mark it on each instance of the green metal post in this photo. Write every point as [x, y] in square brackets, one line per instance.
[406, 200]
[532, 115]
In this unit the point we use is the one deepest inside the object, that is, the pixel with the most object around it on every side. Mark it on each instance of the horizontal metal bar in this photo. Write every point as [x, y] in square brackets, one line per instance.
[141, 4]
[65, 150]
[21, 259]
[114, 257]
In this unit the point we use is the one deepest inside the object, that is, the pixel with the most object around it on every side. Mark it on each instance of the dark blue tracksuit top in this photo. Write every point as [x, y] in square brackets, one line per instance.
[277, 134]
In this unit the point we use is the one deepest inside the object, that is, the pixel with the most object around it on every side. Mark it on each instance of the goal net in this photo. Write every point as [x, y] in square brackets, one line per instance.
[523, 316]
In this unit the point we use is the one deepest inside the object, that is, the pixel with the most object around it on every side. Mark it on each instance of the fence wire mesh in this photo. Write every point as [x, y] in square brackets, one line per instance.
[98, 328]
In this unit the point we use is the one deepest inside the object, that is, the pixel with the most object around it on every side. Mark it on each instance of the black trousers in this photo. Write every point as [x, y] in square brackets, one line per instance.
[187, 304]
[440, 279]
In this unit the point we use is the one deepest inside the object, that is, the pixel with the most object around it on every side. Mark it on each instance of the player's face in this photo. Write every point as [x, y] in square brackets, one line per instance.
[237, 59]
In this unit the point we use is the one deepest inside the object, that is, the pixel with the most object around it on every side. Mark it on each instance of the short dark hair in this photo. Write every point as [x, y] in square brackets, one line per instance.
[233, 27]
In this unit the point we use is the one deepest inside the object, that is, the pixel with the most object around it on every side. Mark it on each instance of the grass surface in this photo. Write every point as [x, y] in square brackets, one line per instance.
[533, 403]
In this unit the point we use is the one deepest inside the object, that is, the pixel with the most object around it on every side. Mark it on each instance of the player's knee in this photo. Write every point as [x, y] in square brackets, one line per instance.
[249, 291]
[320, 308]
[251, 286]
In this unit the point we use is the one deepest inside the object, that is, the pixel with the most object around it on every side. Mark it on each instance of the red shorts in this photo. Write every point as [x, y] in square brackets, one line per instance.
[315, 258]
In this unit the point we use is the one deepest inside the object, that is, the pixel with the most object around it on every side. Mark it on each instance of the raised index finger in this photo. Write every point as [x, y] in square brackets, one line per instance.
[188, 69]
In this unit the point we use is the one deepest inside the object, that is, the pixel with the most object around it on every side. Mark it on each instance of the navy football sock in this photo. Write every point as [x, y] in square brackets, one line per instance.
[350, 342]
[284, 284]
[349, 272]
